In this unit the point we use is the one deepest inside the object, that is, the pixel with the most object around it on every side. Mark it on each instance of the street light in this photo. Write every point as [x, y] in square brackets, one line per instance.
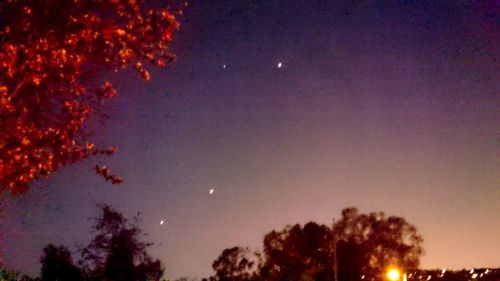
[393, 274]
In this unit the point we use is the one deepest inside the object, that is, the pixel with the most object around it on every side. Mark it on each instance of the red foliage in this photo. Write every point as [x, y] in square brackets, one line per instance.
[52, 53]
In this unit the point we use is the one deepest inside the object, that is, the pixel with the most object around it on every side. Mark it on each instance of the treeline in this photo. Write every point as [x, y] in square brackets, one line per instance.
[116, 253]
[357, 247]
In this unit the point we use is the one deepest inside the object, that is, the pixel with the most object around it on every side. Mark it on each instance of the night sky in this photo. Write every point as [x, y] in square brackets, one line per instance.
[291, 111]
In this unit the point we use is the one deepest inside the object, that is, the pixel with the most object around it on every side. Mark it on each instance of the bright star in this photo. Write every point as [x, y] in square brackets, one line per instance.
[280, 64]
[223, 66]
[162, 222]
[211, 191]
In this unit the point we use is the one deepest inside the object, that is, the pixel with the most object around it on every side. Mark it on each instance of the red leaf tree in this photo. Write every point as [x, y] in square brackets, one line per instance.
[52, 55]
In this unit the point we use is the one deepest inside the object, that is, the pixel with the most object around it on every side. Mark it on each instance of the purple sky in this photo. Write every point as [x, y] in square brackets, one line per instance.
[391, 107]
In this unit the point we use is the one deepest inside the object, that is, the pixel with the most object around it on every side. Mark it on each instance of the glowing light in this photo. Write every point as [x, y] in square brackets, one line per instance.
[474, 276]
[211, 191]
[362, 277]
[393, 274]
[472, 271]
[486, 272]
[224, 66]
[429, 277]
[443, 271]
[162, 222]
[280, 64]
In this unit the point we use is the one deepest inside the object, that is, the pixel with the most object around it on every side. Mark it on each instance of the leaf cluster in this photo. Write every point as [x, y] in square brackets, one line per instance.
[52, 57]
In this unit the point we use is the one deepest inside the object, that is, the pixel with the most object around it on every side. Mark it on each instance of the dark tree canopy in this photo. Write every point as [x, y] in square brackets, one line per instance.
[116, 252]
[384, 241]
[360, 246]
[235, 264]
[351, 259]
[57, 264]
[52, 57]
[298, 253]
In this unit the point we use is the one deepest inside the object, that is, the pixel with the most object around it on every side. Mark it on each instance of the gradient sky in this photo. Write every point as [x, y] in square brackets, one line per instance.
[384, 105]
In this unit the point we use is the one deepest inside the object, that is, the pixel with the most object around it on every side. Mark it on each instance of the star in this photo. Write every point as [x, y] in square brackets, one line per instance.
[224, 66]
[162, 222]
[211, 191]
[280, 64]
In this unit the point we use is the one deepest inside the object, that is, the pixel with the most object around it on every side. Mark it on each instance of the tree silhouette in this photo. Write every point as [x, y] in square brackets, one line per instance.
[52, 57]
[116, 253]
[58, 265]
[235, 264]
[384, 241]
[358, 244]
[7, 275]
[298, 253]
[351, 258]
